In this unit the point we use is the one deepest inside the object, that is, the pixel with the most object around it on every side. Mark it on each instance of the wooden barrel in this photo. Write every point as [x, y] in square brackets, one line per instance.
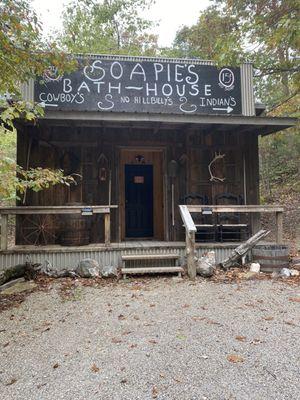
[271, 257]
[75, 228]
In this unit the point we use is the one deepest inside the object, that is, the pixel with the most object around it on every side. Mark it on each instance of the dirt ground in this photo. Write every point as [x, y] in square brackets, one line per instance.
[156, 338]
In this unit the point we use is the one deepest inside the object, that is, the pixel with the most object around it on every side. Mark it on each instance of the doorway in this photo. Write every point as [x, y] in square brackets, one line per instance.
[139, 201]
[141, 206]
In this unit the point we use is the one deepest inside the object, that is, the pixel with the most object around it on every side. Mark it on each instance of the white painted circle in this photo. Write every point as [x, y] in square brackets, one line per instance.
[230, 77]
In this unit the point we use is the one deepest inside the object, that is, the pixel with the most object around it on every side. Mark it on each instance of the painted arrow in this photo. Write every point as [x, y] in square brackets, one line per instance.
[228, 109]
[47, 105]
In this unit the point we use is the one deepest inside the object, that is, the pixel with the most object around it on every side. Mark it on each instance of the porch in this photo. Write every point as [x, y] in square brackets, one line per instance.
[111, 252]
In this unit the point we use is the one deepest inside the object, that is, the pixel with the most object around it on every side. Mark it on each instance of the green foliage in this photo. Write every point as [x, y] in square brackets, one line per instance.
[203, 40]
[18, 181]
[108, 27]
[265, 33]
[280, 163]
[23, 55]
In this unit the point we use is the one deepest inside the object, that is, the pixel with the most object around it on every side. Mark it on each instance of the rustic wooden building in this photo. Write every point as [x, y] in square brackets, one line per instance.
[144, 135]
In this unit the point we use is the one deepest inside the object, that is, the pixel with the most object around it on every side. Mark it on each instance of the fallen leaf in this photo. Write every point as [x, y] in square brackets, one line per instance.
[177, 380]
[152, 341]
[240, 338]
[94, 368]
[152, 305]
[268, 318]
[290, 323]
[55, 365]
[11, 382]
[126, 333]
[181, 337]
[154, 392]
[234, 358]
[116, 340]
[295, 299]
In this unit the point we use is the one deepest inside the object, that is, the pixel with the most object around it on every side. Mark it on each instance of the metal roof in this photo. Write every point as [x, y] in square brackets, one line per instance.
[245, 124]
[120, 57]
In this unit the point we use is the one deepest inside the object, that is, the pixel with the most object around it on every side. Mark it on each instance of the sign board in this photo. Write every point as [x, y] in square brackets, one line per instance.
[118, 85]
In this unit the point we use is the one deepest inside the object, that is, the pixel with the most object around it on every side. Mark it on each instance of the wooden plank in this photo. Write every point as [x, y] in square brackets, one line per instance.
[151, 270]
[4, 231]
[107, 228]
[236, 209]
[150, 257]
[191, 253]
[187, 219]
[54, 209]
[279, 227]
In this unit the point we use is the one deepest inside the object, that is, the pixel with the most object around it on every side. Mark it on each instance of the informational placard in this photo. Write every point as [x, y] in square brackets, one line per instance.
[116, 85]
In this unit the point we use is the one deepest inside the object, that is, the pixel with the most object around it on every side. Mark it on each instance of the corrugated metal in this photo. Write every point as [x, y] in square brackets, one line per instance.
[142, 58]
[248, 107]
[69, 259]
[27, 91]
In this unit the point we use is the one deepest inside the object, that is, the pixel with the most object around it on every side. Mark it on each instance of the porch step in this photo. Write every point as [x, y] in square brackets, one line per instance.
[134, 257]
[152, 270]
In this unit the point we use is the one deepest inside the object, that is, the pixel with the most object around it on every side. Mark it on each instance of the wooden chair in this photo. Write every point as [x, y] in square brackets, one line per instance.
[230, 226]
[206, 229]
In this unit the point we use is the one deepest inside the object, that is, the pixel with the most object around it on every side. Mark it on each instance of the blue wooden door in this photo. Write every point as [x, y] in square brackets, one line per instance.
[138, 201]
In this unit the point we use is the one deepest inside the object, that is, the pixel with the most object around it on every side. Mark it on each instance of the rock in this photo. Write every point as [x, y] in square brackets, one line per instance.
[46, 268]
[248, 275]
[11, 283]
[206, 264]
[88, 268]
[275, 274]
[254, 267]
[295, 272]
[19, 287]
[285, 272]
[109, 271]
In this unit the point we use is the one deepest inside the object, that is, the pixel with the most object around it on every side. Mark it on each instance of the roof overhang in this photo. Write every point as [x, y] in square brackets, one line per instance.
[257, 125]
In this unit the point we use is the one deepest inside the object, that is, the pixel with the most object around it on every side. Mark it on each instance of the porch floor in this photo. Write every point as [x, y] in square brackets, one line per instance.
[130, 244]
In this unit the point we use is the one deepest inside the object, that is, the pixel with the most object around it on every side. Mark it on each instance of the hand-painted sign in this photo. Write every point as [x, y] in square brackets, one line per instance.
[142, 86]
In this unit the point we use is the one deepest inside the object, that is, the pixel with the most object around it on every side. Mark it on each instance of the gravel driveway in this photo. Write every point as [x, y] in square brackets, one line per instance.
[159, 338]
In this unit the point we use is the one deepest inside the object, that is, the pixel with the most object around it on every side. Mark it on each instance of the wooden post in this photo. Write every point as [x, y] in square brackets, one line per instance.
[107, 228]
[4, 231]
[279, 227]
[190, 253]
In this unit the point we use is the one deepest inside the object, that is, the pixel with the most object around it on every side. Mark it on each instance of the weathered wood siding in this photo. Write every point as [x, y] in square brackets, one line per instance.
[50, 146]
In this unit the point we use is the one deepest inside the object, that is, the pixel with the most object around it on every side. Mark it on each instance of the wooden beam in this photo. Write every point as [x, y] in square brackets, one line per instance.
[107, 228]
[54, 209]
[279, 227]
[190, 254]
[187, 219]
[4, 231]
[235, 209]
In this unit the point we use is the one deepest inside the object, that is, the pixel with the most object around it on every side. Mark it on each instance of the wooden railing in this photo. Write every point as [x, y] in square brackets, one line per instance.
[190, 227]
[54, 210]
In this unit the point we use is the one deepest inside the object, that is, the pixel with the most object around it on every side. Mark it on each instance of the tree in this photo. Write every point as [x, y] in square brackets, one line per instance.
[108, 27]
[200, 40]
[266, 33]
[23, 55]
